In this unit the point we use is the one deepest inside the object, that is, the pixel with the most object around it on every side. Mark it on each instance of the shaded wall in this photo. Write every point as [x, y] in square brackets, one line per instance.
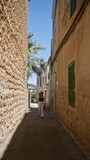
[13, 58]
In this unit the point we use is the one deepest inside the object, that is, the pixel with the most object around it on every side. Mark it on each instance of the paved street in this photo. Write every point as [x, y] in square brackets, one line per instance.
[42, 139]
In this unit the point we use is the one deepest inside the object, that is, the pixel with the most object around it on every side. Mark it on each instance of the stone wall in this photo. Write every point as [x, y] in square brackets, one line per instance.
[13, 59]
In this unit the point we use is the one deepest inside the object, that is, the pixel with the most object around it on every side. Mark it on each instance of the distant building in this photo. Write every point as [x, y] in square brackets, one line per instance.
[49, 81]
[42, 81]
[31, 87]
[70, 65]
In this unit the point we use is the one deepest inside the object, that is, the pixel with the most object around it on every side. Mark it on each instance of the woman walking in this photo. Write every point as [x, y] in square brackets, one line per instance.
[41, 105]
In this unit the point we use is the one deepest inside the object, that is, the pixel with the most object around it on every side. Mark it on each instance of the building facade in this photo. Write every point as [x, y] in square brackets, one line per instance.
[42, 81]
[13, 59]
[70, 65]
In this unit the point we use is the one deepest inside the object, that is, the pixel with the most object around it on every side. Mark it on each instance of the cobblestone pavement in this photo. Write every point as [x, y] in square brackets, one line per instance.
[42, 139]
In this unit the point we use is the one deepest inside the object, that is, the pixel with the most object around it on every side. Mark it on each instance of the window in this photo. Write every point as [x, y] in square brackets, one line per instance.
[43, 79]
[48, 75]
[71, 84]
[54, 14]
[55, 6]
[40, 81]
[73, 5]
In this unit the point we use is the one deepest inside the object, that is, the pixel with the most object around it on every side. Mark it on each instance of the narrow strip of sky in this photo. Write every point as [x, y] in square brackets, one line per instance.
[40, 23]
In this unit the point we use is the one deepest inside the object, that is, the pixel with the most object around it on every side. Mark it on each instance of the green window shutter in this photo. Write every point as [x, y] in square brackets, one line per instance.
[73, 5]
[71, 84]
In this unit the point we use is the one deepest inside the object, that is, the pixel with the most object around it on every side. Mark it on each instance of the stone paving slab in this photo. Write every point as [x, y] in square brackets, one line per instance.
[42, 139]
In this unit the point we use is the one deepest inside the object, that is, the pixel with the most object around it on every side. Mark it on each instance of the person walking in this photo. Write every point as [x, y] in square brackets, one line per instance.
[41, 104]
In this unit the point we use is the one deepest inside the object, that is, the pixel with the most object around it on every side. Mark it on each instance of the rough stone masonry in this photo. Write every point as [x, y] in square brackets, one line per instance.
[13, 59]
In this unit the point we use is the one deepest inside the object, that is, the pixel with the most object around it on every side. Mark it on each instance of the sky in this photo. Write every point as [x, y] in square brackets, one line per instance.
[40, 23]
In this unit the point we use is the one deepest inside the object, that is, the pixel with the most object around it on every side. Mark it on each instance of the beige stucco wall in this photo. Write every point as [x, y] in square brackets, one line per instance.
[76, 48]
[63, 17]
[13, 58]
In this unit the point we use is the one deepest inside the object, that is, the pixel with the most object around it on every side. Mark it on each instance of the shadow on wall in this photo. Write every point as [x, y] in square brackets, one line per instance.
[21, 138]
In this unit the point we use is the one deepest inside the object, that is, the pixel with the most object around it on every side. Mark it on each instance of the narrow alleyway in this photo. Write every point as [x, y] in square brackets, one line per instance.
[42, 139]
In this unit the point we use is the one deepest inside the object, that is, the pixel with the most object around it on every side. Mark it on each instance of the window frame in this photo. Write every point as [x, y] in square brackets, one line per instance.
[73, 6]
[71, 86]
[40, 81]
[45, 78]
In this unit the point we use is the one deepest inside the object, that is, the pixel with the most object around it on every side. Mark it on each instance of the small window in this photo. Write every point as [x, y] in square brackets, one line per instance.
[73, 5]
[40, 81]
[55, 6]
[48, 75]
[71, 84]
[54, 13]
[43, 79]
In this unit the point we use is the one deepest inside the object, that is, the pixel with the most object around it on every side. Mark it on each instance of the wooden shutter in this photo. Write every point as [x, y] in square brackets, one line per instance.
[73, 5]
[71, 84]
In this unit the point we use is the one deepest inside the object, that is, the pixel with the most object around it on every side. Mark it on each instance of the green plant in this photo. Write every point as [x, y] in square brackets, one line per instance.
[34, 63]
[33, 94]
